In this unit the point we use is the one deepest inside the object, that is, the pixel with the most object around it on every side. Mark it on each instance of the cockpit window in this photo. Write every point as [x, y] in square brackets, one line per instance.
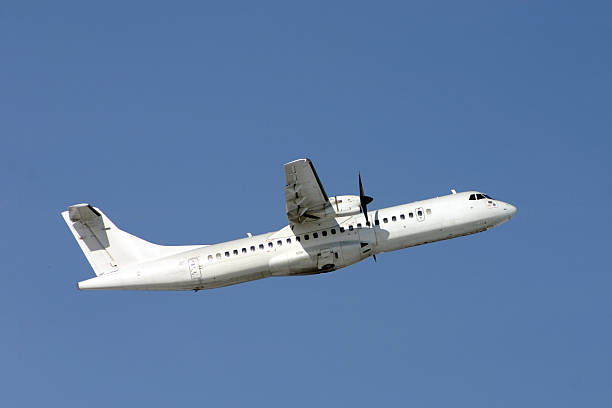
[479, 196]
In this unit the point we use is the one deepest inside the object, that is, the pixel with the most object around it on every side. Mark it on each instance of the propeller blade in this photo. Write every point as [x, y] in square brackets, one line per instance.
[374, 257]
[364, 200]
[361, 193]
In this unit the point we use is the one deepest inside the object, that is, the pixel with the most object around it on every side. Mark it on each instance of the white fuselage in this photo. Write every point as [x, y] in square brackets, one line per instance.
[314, 247]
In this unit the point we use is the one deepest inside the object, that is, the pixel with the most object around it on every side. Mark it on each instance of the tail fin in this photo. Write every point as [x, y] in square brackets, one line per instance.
[106, 247]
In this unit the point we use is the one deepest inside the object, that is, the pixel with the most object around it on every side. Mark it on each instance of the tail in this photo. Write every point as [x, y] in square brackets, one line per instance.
[106, 247]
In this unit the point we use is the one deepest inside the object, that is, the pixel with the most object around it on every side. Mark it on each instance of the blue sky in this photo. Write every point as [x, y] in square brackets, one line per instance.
[176, 119]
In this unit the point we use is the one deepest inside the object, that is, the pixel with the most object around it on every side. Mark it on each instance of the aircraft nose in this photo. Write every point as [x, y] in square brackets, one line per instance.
[510, 209]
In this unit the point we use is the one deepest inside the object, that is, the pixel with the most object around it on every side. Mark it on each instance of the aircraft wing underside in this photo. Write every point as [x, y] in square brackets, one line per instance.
[304, 193]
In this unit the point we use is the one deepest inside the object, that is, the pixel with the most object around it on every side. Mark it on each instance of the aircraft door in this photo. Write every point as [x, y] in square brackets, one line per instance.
[194, 268]
[420, 214]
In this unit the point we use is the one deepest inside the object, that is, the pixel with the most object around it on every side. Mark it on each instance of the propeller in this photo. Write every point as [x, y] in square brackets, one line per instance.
[364, 200]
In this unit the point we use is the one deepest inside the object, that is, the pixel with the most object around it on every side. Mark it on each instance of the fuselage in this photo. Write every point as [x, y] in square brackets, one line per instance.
[314, 247]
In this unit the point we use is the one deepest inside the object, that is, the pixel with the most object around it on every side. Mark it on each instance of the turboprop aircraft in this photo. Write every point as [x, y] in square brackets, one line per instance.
[324, 234]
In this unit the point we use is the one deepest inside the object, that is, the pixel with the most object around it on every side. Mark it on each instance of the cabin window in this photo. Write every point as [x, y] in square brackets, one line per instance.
[402, 217]
[261, 246]
[315, 235]
[235, 252]
[244, 250]
[252, 249]
[218, 255]
[359, 225]
[333, 231]
[385, 220]
[306, 237]
[270, 245]
[288, 240]
[376, 222]
[210, 257]
[428, 211]
[297, 239]
[342, 229]
[324, 233]
[410, 215]
[350, 227]
[472, 196]
[227, 254]
[279, 242]
[394, 218]
[420, 213]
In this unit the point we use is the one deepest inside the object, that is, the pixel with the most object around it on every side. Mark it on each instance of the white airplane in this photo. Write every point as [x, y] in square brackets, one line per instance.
[324, 234]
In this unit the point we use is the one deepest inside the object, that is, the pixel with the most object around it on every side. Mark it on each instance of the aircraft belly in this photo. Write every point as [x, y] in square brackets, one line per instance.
[313, 260]
[245, 270]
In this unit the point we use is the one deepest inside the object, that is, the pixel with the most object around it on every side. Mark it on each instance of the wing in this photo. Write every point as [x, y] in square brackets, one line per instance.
[304, 193]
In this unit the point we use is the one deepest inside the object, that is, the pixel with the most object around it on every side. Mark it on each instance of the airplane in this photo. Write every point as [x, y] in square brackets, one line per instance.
[324, 234]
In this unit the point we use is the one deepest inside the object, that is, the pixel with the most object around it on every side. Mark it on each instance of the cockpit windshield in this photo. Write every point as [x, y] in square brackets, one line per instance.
[479, 196]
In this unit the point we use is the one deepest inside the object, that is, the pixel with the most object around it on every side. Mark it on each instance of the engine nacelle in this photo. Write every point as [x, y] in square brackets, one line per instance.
[339, 206]
[345, 205]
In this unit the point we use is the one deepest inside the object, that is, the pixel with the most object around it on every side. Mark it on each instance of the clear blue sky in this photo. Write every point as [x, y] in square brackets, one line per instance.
[175, 118]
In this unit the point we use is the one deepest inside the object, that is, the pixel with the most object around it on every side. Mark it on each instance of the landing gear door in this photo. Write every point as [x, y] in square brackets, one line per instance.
[326, 259]
[367, 238]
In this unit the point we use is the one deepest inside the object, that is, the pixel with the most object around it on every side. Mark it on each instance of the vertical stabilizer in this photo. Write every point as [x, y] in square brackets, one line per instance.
[106, 247]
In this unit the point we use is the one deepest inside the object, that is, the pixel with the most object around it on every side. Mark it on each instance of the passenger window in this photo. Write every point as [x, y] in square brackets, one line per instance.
[288, 240]
[244, 250]
[333, 231]
[350, 227]
[342, 229]
[306, 237]
[420, 213]
[376, 222]
[359, 225]
[410, 215]
[210, 257]
[218, 255]
[297, 239]
[270, 245]
[252, 249]
[428, 211]
[261, 246]
[324, 233]
[227, 254]
[385, 220]
[279, 242]
[315, 235]
[235, 252]
[394, 218]
[402, 217]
